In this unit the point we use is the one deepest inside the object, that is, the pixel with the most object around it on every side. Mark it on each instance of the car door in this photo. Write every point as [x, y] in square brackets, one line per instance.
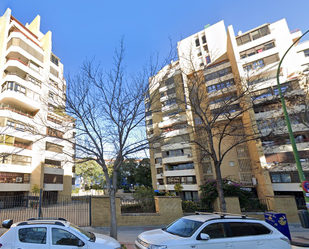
[61, 238]
[34, 237]
[218, 237]
[249, 235]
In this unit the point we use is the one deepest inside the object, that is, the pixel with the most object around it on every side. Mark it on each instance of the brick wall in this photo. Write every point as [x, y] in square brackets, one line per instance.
[168, 209]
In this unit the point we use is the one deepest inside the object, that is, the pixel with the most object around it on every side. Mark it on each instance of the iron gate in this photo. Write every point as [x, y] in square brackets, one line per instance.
[46, 204]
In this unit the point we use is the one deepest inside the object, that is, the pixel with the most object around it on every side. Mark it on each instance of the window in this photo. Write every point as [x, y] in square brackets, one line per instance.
[306, 53]
[280, 177]
[256, 50]
[199, 54]
[62, 237]
[261, 63]
[240, 229]
[208, 59]
[206, 48]
[247, 229]
[220, 85]
[54, 60]
[253, 35]
[36, 235]
[204, 39]
[215, 230]
[197, 42]
[54, 133]
[12, 86]
[218, 74]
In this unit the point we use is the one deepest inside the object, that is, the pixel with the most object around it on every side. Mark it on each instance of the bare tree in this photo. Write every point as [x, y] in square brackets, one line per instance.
[109, 110]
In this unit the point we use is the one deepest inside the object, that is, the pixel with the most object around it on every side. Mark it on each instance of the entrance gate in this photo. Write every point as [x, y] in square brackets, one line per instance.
[46, 204]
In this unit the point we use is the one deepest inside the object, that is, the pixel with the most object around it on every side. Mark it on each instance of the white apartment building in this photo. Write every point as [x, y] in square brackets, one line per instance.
[33, 151]
[230, 62]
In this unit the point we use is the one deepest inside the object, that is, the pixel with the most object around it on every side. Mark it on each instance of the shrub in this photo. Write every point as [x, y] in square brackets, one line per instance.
[230, 188]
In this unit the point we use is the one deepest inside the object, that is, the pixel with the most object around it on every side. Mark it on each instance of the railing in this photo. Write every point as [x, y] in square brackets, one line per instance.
[300, 203]
[52, 166]
[254, 205]
[23, 146]
[144, 205]
[196, 205]
[2, 107]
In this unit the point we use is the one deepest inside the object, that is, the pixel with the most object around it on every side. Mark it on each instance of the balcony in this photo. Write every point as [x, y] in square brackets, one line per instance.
[17, 95]
[177, 159]
[53, 187]
[8, 187]
[19, 52]
[175, 133]
[22, 67]
[170, 121]
[184, 172]
[53, 170]
[186, 187]
[166, 87]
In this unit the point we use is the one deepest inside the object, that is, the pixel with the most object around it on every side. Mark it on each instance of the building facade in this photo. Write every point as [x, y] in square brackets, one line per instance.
[230, 65]
[34, 146]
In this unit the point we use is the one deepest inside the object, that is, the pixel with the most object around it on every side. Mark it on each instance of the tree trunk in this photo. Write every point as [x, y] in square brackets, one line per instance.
[220, 189]
[112, 199]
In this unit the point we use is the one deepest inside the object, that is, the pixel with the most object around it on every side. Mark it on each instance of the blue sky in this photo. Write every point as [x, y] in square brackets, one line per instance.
[92, 29]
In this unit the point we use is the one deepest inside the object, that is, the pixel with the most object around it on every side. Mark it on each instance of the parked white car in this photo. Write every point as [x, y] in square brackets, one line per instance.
[47, 234]
[214, 231]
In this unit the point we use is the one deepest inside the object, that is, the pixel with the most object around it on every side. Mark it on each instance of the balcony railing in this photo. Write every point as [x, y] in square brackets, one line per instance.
[24, 113]
[23, 146]
[53, 166]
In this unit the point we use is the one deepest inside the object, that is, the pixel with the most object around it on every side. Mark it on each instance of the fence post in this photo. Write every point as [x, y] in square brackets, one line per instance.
[40, 203]
[89, 199]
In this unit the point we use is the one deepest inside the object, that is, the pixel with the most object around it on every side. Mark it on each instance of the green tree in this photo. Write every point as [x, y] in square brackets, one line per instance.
[90, 172]
[178, 188]
[209, 191]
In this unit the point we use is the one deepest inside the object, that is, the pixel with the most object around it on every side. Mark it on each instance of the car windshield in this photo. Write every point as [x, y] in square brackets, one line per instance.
[183, 227]
[89, 235]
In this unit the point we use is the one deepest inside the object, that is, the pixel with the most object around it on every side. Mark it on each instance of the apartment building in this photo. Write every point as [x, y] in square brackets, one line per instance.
[33, 128]
[230, 65]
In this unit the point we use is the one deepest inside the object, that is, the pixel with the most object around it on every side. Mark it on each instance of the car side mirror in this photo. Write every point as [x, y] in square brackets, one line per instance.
[204, 236]
[7, 223]
[80, 243]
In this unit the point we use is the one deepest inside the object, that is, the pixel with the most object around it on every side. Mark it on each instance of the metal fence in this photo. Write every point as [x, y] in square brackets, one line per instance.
[254, 205]
[144, 205]
[46, 204]
[300, 203]
[196, 205]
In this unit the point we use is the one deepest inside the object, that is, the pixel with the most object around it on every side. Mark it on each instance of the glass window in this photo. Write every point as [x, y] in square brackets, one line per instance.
[183, 227]
[240, 229]
[259, 229]
[286, 178]
[215, 231]
[275, 178]
[204, 39]
[245, 39]
[62, 237]
[35, 235]
[197, 42]
[306, 52]
[255, 34]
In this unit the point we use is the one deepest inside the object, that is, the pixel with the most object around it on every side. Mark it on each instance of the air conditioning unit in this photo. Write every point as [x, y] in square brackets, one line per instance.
[161, 174]
[189, 155]
[19, 179]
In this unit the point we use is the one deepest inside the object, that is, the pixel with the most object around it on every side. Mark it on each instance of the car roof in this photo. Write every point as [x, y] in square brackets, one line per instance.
[203, 217]
[46, 221]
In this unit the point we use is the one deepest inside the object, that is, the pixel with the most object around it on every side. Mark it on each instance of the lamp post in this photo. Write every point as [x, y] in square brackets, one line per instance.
[305, 184]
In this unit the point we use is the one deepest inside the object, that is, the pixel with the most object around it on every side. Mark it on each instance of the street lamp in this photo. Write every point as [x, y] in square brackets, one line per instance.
[305, 184]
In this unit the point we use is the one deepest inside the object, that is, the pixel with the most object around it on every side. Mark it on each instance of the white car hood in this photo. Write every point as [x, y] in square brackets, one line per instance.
[106, 240]
[159, 237]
